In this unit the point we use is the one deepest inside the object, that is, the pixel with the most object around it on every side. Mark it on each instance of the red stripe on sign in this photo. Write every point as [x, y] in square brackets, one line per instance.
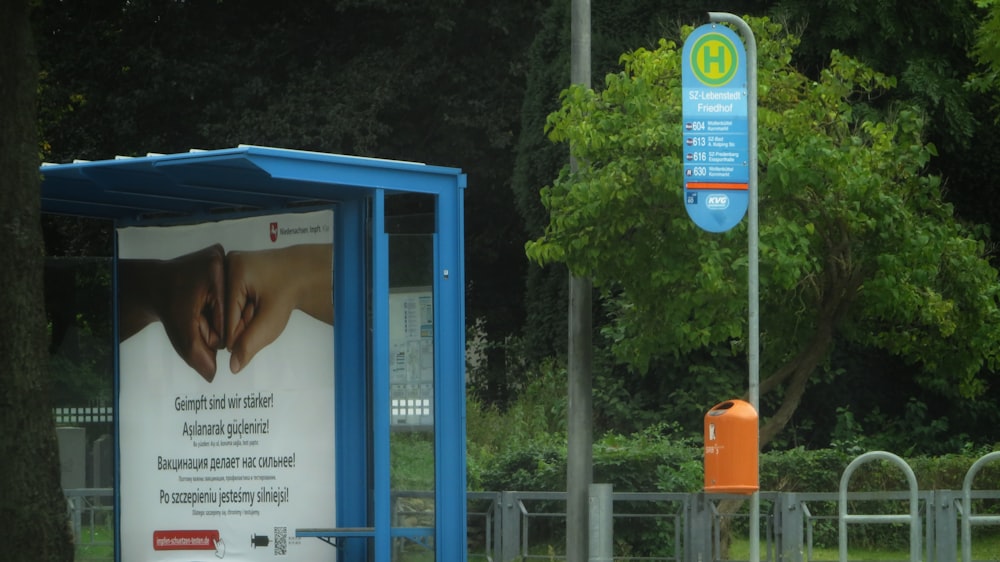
[717, 185]
[185, 540]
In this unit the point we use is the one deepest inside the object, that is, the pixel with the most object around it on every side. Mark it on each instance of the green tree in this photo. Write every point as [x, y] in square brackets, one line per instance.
[856, 243]
[615, 27]
[986, 50]
[925, 45]
[32, 506]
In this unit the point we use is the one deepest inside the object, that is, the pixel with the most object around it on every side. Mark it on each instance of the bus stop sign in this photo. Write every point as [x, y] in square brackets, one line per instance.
[715, 115]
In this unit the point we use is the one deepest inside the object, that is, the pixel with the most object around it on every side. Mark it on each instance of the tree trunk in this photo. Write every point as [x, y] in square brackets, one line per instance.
[835, 296]
[798, 372]
[33, 510]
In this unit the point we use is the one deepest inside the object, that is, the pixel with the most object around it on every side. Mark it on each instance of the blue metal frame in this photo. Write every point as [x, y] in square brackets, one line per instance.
[211, 185]
[351, 354]
[449, 434]
[380, 384]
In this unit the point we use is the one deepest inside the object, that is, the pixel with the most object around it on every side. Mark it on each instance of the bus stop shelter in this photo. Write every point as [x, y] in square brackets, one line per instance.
[253, 472]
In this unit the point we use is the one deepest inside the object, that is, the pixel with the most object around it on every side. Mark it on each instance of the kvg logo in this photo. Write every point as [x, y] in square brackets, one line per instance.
[717, 202]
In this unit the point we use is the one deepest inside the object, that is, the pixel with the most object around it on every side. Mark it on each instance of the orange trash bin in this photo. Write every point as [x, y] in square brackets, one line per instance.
[731, 448]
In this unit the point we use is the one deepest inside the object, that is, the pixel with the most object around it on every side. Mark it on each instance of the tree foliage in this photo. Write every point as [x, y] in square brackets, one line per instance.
[927, 46]
[466, 84]
[428, 81]
[924, 45]
[855, 239]
[986, 50]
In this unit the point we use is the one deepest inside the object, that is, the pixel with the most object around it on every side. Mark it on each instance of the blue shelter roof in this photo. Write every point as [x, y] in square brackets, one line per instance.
[241, 179]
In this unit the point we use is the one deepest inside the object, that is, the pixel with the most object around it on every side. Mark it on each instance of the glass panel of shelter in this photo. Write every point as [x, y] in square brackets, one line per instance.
[410, 224]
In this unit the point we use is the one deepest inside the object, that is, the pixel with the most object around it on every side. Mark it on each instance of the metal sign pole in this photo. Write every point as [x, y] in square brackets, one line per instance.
[579, 438]
[753, 275]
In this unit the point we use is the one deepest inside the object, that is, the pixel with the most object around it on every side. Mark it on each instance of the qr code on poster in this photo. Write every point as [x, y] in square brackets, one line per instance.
[280, 541]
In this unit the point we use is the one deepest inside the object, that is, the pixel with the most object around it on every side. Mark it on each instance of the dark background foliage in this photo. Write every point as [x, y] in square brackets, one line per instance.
[468, 83]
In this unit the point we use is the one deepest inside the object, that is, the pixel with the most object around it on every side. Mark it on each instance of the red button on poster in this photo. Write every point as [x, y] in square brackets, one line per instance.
[185, 540]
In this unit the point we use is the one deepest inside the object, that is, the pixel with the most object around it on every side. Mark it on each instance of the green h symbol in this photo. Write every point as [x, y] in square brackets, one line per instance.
[714, 59]
[719, 58]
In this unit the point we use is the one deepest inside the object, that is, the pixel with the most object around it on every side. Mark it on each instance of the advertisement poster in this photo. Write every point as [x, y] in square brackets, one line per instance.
[226, 389]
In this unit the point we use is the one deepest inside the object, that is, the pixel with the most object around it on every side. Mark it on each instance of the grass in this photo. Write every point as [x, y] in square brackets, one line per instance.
[87, 552]
[412, 460]
[986, 547]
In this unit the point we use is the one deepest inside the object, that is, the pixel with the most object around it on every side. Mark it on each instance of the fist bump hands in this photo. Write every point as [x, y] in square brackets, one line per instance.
[209, 299]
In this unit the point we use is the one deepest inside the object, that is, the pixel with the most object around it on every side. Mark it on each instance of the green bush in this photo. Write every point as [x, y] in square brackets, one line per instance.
[537, 419]
[800, 470]
[653, 460]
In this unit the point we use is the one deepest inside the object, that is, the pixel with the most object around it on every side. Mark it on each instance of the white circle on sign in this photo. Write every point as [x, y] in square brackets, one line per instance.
[717, 202]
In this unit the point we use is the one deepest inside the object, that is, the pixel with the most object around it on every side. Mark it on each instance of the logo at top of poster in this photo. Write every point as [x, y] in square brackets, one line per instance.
[274, 232]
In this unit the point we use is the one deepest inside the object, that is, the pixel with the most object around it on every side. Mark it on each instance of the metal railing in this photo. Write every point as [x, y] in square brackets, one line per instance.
[668, 527]
[661, 527]
[90, 509]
